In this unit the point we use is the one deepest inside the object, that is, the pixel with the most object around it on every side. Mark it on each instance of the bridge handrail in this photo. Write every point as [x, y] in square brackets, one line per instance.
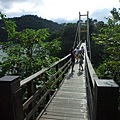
[30, 78]
[90, 67]
[98, 90]
[90, 77]
[48, 91]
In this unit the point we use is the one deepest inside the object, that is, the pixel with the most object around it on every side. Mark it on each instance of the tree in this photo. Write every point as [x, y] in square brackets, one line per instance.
[109, 37]
[68, 37]
[28, 51]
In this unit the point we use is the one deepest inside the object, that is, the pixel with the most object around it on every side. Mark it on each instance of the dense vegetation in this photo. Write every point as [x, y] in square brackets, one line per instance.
[107, 40]
[28, 51]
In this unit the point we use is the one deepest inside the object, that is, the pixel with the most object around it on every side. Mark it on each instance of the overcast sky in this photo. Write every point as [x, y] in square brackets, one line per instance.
[59, 10]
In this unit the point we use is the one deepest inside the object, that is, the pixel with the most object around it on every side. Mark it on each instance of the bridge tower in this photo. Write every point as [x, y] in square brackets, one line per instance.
[86, 31]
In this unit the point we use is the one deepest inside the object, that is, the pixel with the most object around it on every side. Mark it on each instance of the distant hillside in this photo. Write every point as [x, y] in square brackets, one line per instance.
[30, 21]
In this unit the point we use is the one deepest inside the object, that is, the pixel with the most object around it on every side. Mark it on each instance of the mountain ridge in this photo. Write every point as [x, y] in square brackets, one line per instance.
[31, 22]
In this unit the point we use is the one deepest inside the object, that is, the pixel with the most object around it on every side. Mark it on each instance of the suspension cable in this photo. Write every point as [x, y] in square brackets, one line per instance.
[75, 37]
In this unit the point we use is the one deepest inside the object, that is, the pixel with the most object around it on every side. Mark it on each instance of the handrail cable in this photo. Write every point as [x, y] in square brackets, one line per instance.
[88, 36]
[77, 33]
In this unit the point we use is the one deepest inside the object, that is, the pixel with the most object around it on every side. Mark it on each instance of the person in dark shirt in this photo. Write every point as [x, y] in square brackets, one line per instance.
[72, 58]
[82, 49]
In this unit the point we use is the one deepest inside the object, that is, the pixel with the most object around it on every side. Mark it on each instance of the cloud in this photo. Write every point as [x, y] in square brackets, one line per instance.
[15, 8]
[7, 4]
[101, 14]
[61, 10]
[62, 20]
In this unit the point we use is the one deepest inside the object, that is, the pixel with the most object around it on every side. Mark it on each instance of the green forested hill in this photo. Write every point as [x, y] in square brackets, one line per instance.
[35, 22]
[29, 21]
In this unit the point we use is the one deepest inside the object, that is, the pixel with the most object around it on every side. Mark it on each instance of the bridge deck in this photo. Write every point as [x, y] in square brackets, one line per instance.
[70, 102]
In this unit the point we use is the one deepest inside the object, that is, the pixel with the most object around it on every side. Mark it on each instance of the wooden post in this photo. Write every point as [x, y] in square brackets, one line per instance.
[57, 68]
[106, 100]
[30, 90]
[10, 98]
[63, 63]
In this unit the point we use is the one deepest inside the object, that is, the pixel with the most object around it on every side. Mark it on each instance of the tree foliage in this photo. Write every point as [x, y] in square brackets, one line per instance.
[109, 38]
[67, 36]
[28, 51]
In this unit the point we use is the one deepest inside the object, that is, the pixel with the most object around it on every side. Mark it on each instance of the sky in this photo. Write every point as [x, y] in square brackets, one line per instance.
[60, 11]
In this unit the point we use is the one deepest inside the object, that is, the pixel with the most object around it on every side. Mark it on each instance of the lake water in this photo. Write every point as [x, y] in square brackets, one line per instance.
[2, 54]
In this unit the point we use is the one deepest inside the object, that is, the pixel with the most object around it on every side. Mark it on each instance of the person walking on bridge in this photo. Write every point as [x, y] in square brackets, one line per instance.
[82, 49]
[72, 58]
[76, 54]
[81, 60]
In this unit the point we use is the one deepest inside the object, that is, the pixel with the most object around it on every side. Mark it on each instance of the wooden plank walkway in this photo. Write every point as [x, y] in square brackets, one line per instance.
[70, 102]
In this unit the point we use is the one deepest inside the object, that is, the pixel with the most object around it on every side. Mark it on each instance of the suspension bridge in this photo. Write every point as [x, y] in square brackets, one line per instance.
[63, 95]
